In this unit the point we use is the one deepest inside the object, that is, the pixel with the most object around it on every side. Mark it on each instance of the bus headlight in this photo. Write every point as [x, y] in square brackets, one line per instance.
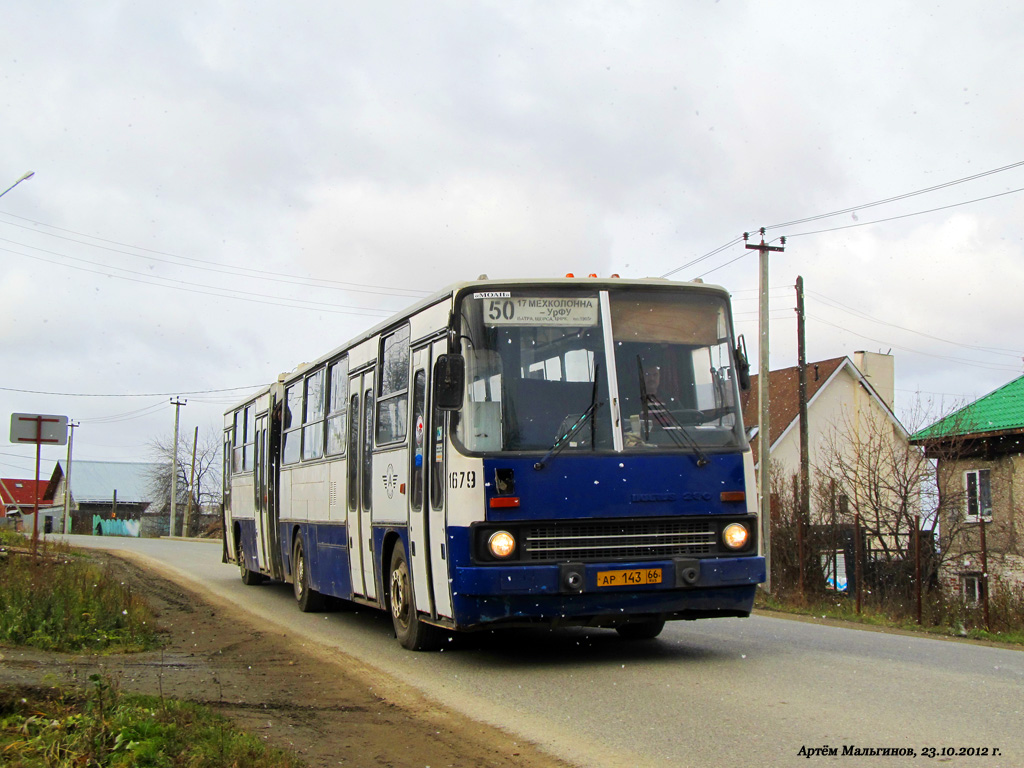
[501, 544]
[735, 536]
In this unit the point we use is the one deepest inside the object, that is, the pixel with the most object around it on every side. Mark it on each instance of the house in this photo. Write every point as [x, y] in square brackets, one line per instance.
[18, 499]
[110, 497]
[851, 426]
[979, 450]
[844, 398]
[20, 495]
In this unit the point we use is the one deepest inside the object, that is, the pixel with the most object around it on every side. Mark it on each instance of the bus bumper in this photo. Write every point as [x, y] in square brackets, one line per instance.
[569, 593]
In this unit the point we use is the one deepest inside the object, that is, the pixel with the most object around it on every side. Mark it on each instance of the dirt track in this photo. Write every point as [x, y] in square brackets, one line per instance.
[328, 708]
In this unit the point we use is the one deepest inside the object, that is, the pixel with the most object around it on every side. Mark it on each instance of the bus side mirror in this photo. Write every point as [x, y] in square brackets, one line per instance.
[742, 364]
[449, 382]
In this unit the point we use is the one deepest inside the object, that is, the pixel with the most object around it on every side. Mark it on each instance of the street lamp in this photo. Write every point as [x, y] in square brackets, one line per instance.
[26, 177]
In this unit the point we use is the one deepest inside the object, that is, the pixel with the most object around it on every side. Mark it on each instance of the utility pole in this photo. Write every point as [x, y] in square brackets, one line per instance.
[177, 403]
[763, 441]
[804, 511]
[984, 568]
[67, 479]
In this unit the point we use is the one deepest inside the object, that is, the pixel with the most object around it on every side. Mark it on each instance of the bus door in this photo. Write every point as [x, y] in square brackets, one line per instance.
[434, 508]
[419, 503]
[268, 438]
[261, 502]
[360, 484]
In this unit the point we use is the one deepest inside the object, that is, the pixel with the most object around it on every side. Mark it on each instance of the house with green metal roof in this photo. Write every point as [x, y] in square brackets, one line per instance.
[979, 451]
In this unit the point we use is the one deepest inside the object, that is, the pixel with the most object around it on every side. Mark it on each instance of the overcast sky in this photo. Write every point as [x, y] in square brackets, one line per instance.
[224, 190]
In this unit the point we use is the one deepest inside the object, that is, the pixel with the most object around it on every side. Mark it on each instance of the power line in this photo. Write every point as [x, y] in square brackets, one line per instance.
[835, 304]
[903, 196]
[708, 255]
[964, 361]
[852, 209]
[183, 285]
[142, 394]
[867, 223]
[909, 215]
[201, 264]
[127, 415]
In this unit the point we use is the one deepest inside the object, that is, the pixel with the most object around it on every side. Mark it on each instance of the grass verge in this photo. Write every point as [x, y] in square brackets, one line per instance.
[57, 602]
[100, 726]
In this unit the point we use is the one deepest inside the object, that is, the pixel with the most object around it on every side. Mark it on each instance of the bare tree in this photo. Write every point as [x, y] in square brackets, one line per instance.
[205, 490]
[869, 468]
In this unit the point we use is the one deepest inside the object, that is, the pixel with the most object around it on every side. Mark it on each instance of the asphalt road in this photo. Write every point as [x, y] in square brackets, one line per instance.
[729, 692]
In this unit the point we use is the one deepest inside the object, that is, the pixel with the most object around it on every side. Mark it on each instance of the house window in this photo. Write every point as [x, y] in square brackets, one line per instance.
[979, 494]
[973, 587]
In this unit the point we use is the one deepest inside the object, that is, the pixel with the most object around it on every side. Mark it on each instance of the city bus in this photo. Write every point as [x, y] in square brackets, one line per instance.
[559, 452]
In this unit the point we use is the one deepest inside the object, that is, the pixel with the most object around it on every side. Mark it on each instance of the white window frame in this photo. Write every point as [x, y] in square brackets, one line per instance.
[976, 496]
[972, 586]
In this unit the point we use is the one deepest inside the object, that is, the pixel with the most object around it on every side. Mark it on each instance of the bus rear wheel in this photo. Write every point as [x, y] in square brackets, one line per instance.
[410, 631]
[641, 630]
[309, 599]
[249, 578]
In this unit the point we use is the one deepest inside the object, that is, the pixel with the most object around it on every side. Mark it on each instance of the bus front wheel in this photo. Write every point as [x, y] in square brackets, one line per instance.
[410, 631]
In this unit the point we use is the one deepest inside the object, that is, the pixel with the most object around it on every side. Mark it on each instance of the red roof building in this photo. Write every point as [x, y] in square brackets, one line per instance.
[20, 495]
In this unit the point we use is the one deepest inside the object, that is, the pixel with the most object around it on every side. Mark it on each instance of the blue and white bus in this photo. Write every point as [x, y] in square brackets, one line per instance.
[509, 452]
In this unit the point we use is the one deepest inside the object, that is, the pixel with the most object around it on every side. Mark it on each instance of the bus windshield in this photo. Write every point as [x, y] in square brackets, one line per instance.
[543, 371]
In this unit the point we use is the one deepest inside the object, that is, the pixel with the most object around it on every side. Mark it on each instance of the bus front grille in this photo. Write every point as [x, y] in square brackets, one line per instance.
[633, 540]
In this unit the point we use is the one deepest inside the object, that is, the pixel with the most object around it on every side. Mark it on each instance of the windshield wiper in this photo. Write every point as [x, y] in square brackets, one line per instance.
[666, 419]
[562, 440]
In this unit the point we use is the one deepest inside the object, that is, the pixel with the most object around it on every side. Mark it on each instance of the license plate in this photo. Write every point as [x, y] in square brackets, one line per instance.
[629, 578]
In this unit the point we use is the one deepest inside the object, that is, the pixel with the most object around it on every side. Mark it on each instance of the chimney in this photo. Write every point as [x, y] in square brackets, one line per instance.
[880, 371]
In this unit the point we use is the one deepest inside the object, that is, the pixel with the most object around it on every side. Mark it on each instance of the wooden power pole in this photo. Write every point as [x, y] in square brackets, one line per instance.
[763, 427]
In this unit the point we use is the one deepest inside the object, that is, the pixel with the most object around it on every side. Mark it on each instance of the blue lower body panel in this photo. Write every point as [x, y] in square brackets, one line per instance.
[246, 539]
[327, 556]
[527, 594]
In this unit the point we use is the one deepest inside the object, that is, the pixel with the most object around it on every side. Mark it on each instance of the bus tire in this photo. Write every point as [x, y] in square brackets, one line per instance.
[309, 599]
[249, 578]
[641, 630]
[411, 632]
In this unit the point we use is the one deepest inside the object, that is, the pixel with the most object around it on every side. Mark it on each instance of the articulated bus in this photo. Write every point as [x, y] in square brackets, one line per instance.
[509, 452]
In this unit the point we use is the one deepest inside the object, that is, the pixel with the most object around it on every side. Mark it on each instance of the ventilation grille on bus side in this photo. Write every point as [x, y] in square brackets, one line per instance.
[634, 540]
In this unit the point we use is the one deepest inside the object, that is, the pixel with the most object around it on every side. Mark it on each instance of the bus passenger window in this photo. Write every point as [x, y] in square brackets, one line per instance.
[292, 423]
[393, 404]
[337, 405]
[367, 478]
[419, 392]
[436, 448]
[313, 417]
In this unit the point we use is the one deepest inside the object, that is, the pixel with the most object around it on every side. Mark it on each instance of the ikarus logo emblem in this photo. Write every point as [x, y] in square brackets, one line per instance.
[390, 478]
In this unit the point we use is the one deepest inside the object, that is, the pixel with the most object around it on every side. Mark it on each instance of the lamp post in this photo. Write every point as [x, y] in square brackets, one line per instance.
[26, 177]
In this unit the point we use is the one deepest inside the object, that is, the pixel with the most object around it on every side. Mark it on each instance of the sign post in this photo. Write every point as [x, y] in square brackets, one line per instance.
[39, 429]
